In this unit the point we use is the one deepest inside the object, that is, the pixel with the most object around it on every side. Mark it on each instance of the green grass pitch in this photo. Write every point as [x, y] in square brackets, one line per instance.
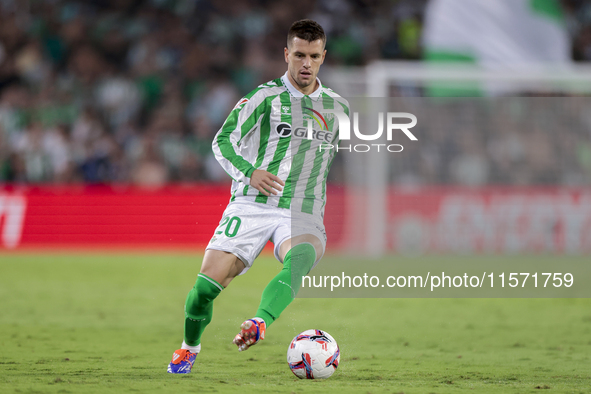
[89, 323]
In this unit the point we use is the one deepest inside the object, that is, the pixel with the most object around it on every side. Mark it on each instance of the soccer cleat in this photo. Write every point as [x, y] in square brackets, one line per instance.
[251, 332]
[182, 361]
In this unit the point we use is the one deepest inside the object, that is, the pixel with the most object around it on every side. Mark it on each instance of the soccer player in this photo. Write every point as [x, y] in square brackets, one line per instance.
[278, 190]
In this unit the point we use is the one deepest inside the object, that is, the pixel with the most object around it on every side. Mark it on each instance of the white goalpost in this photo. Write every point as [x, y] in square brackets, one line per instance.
[367, 227]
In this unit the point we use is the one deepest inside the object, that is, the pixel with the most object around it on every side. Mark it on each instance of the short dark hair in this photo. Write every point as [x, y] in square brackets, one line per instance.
[306, 29]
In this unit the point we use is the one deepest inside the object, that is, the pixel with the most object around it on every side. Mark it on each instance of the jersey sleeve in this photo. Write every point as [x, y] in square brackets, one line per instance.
[244, 119]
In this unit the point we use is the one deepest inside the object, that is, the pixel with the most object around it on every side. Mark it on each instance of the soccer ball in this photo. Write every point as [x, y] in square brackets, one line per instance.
[313, 354]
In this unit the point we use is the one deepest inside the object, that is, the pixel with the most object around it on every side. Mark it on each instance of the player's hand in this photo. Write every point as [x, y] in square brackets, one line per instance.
[265, 182]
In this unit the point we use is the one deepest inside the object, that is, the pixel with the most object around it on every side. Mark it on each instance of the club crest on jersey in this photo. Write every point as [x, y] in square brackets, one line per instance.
[283, 129]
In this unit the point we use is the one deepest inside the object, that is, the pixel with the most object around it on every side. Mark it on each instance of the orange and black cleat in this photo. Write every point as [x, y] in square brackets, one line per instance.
[251, 332]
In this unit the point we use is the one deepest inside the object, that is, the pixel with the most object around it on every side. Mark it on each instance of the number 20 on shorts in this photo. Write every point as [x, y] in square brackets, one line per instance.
[231, 225]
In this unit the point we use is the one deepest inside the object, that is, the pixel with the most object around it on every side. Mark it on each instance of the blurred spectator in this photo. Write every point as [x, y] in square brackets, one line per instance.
[149, 169]
[58, 149]
[470, 167]
[135, 90]
[37, 162]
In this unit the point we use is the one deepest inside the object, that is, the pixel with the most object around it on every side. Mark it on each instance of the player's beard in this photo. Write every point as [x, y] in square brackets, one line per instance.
[303, 84]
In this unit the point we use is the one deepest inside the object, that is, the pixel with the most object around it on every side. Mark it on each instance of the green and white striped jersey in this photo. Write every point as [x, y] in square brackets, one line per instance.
[267, 130]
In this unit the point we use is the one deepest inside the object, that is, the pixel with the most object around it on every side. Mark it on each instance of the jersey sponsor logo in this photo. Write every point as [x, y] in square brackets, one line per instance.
[283, 129]
[319, 135]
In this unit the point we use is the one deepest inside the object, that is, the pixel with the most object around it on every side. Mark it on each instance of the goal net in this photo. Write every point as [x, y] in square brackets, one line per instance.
[503, 166]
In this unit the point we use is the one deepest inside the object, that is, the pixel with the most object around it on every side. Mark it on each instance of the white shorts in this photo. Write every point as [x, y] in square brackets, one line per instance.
[246, 227]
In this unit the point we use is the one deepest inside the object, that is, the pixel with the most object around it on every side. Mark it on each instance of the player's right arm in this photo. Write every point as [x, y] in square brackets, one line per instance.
[244, 119]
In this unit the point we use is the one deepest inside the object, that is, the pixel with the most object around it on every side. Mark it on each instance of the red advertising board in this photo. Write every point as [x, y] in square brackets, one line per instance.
[490, 220]
[427, 219]
[175, 216]
[111, 215]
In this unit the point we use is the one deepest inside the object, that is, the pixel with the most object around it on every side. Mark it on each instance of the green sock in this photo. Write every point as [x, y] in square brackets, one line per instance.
[284, 287]
[199, 308]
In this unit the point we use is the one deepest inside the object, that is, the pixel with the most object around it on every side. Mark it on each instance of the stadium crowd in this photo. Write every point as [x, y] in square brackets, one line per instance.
[108, 91]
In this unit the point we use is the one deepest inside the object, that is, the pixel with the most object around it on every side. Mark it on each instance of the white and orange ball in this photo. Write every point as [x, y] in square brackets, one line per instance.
[313, 354]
